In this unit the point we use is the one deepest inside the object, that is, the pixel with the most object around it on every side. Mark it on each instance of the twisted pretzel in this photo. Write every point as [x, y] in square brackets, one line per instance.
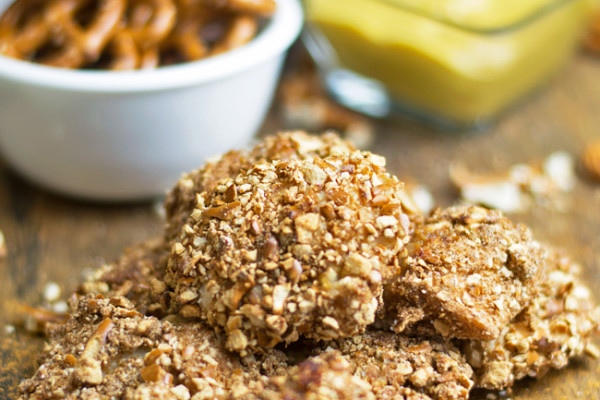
[241, 30]
[127, 34]
[150, 21]
[48, 31]
[255, 7]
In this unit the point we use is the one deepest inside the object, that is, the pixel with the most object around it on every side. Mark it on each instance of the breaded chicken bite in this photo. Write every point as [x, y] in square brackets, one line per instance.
[108, 350]
[557, 325]
[468, 272]
[291, 248]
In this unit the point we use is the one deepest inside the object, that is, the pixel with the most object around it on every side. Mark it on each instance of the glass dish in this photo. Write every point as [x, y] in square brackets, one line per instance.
[455, 63]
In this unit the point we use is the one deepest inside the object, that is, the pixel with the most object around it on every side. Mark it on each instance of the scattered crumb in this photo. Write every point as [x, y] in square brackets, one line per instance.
[591, 160]
[422, 197]
[9, 329]
[60, 307]
[305, 105]
[52, 292]
[3, 251]
[592, 37]
[158, 209]
[521, 187]
[560, 168]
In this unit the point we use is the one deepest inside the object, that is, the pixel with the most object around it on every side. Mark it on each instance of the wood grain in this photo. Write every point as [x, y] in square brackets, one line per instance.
[51, 238]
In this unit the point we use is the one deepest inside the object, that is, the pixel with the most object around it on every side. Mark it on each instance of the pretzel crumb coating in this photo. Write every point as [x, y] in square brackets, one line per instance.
[292, 145]
[468, 272]
[109, 350]
[292, 248]
[399, 367]
[557, 325]
[327, 376]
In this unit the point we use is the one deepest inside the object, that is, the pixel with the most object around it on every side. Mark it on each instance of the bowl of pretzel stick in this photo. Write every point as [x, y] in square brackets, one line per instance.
[112, 100]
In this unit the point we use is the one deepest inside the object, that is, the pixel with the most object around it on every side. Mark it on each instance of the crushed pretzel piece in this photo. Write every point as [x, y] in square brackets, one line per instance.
[523, 185]
[136, 275]
[37, 319]
[591, 160]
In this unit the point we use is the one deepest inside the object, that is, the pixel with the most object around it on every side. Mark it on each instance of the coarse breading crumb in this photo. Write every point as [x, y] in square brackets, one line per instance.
[292, 248]
[136, 275]
[109, 350]
[557, 325]
[399, 367]
[327, 376]
[468, 272]
[181, 200]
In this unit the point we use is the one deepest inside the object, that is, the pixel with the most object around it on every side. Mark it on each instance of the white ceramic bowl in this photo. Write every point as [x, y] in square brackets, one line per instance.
[108, 135]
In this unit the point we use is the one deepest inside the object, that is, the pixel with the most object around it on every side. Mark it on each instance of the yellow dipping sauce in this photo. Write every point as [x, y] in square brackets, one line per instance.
[461, 60]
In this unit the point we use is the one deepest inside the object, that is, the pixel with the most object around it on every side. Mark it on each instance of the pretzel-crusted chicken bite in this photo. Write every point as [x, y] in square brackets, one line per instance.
[468, 272]
[181, 200]
[399, 367]
[291, 248]
[109, 350]
[557, 325]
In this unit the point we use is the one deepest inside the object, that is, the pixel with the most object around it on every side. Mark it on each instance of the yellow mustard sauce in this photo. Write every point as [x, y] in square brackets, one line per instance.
[440, 67]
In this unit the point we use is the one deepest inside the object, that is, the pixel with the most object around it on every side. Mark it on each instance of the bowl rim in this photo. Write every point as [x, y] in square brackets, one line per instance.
[275, 38]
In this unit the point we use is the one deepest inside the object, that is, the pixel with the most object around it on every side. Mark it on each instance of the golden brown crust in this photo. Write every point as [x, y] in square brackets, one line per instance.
[556, 326]
[299, 237]
[468, 272]
[107, 349]
[292, 248]
[181, 200]
[399, 367]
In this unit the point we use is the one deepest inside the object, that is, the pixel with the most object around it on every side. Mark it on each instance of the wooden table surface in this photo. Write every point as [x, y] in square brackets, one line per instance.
[51, 238]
